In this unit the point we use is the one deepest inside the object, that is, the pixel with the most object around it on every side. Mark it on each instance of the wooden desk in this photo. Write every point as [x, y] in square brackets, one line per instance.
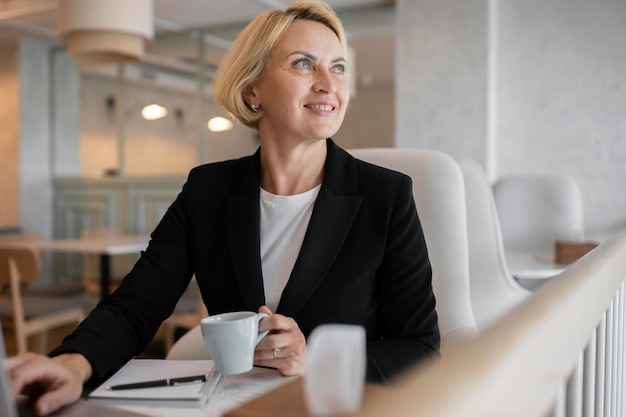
[105, 247]
[262, 392]
[288, 401]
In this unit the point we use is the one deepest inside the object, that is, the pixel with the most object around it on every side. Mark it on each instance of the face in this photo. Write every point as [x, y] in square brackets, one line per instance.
[304, 91]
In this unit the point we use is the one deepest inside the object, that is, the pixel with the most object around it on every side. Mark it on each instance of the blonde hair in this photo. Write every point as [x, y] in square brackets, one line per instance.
[247, 59]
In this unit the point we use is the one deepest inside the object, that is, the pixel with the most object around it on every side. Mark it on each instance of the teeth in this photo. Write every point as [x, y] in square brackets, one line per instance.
[320, 107]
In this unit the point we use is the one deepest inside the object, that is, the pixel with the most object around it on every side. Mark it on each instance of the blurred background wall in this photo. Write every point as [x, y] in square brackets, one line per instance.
[522, 87]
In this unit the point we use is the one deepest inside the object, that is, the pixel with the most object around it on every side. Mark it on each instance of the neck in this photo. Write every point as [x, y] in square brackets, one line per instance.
[289, 171]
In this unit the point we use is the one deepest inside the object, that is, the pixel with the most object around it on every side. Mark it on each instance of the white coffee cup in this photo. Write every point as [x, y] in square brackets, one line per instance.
[231, 339]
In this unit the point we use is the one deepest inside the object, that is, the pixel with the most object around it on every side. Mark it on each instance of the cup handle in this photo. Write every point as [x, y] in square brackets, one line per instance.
[261, 335]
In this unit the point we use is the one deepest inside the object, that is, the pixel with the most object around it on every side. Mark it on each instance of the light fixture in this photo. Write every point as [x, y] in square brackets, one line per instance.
[153, 112]
[219, 124]
[106, 31]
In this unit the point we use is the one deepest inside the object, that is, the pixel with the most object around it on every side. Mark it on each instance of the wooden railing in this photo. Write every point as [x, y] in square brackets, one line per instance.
[560, 352]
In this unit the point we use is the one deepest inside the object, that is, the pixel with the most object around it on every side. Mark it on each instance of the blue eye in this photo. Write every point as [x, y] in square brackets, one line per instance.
[339, 69]
[303, 63]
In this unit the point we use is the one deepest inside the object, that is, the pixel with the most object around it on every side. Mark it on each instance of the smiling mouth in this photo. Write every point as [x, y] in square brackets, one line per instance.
[320, 107]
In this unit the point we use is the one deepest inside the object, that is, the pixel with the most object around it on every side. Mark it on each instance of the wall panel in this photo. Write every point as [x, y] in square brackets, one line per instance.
[133, 205]
[9, 137]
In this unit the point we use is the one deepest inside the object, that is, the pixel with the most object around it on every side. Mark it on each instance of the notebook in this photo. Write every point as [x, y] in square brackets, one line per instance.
[9, 408]
[195, 393]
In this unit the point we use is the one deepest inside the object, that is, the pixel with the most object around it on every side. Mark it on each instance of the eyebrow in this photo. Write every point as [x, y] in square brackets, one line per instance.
[314, 58]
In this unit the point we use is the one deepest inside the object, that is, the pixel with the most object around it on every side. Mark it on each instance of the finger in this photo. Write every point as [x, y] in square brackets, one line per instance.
[292, 367]
[286, 325]
[287, 343]
[53, 400]
[266, 310]
[288, 360]
[265, 324]
[279, 346]
[25, 369]
[286, 366]
[53, 386]
[275, 340]
[279, 352]
[37, 371]
[278, 323]
[15, 361]
[271, 354]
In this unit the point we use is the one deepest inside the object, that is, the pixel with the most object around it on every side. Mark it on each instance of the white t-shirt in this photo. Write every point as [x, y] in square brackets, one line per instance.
[284, 220]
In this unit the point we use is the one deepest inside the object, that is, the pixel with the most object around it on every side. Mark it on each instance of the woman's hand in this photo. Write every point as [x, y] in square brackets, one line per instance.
[284, 348]
[53, 382]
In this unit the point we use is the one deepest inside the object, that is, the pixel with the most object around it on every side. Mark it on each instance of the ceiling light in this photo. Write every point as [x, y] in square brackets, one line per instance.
[111, 31]
[219, 124]
[153, 112]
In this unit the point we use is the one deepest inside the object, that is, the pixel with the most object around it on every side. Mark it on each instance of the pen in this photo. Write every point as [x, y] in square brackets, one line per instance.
[159, 382]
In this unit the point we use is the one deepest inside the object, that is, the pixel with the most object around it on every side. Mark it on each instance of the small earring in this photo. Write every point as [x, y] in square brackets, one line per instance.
[254, 108]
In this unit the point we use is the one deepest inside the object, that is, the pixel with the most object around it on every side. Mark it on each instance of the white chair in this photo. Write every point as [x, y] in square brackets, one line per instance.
[189, 346]
[536, 211]
[440, 198]
[493, 289]
[188, 312]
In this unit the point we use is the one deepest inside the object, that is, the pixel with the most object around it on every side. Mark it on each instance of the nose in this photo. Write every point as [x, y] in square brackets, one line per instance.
[324, 82]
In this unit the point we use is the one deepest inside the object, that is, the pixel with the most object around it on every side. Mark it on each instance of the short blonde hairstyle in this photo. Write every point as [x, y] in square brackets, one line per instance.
[247, 59]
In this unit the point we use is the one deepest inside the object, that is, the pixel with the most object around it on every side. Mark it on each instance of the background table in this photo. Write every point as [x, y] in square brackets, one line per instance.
[105, 247]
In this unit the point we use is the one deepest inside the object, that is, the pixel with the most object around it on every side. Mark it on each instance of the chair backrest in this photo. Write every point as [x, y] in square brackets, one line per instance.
[24, 258]
[440, 200]
[493, 289]
[189, 346]
[535, 211]
[35, 312]
[20, 264]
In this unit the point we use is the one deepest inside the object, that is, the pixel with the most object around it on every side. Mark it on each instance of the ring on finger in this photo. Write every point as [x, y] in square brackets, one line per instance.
[275, 351]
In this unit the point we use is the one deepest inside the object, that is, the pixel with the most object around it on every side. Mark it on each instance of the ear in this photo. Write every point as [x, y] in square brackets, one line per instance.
[249, 94]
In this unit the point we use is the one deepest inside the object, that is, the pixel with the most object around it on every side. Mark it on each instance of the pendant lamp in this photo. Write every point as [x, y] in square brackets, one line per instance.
[105, 31]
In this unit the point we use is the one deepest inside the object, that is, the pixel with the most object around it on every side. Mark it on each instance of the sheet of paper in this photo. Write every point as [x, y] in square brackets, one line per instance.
[234, 391]
[141, 370]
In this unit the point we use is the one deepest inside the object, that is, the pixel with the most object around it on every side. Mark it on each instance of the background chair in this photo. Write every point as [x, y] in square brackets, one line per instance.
[189, 310]
[493, 289]
[39, 288]
[535, 211]
[189, 346]
[35, 313]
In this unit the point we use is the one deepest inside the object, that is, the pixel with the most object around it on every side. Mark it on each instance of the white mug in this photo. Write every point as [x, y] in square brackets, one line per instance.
[231, 339]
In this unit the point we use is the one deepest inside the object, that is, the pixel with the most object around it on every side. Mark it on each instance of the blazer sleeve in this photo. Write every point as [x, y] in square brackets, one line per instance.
[123, 323]
[406, 317]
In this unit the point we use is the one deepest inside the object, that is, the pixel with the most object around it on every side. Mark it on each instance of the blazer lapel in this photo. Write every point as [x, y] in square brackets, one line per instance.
[242, 217]
[333, 214]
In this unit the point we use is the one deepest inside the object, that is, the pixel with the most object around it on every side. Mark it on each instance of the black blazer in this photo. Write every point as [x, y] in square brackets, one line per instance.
[363, 261]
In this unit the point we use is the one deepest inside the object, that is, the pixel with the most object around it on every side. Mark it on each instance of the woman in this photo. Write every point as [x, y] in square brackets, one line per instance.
[299, 230]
